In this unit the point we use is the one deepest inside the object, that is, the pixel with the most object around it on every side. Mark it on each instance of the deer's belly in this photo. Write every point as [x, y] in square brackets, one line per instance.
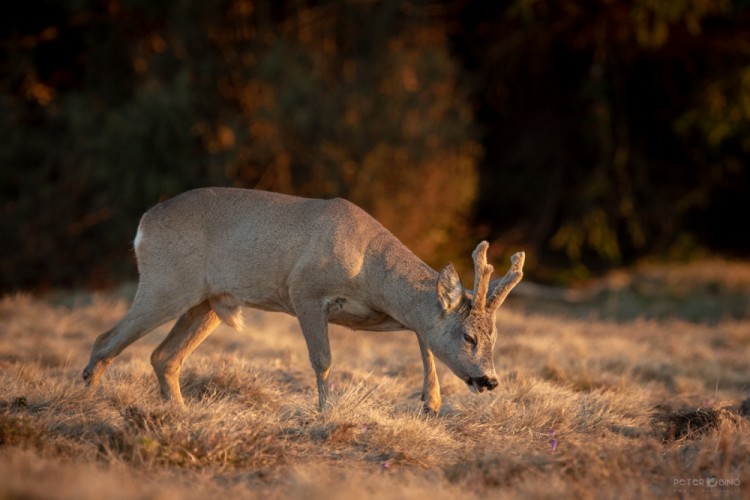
[359, 316]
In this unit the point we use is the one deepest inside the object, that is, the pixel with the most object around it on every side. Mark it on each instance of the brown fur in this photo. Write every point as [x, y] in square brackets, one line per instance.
[204, 254]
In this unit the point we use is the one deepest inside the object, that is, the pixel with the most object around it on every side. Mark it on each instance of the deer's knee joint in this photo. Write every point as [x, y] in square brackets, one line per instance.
[163, 363]
[321, 362]
[157, 359]
[101, 341]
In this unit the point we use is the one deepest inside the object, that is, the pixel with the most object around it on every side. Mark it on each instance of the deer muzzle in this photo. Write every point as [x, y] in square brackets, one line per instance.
[479, 384]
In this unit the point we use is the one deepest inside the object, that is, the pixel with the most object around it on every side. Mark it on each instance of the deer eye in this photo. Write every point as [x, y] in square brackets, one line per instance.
[469, 339]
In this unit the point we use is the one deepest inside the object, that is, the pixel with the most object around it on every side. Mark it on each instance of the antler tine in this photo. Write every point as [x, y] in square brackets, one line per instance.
[510, 280]
[482, 274]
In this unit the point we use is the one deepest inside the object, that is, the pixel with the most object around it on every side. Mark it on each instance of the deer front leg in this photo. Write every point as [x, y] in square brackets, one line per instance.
[191, 329]
[431, 386]
[314, 323]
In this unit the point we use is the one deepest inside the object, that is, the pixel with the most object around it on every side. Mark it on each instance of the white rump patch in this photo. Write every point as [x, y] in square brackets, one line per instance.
[138, 239]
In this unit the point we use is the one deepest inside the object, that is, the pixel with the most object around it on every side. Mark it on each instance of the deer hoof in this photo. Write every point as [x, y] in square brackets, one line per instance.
[430, 411]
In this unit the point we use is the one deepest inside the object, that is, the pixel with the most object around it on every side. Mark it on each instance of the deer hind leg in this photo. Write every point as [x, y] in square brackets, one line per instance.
[191, 329]
[431, 386]
[148, 311]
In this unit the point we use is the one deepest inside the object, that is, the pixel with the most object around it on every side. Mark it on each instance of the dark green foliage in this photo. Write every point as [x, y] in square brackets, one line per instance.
[591, 133]
[624, 127]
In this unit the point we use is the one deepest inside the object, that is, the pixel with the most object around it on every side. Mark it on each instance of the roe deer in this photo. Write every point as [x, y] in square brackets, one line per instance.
[207, 252]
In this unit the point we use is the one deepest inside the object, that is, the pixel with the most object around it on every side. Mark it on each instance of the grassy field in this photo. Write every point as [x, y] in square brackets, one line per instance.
[641, 401]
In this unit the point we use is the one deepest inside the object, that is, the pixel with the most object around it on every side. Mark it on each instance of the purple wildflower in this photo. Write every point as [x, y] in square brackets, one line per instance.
[553, 441]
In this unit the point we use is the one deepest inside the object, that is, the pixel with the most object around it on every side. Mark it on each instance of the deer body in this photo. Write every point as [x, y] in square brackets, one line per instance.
[206, 253]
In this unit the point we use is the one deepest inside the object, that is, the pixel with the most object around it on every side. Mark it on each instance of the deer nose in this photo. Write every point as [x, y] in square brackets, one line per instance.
[486, 382]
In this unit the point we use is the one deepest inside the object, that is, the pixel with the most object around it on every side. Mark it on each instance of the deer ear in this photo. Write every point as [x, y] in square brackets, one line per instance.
[450, 291]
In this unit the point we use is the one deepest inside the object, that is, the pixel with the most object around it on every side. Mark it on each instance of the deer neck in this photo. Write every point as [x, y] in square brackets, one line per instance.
[408, 290]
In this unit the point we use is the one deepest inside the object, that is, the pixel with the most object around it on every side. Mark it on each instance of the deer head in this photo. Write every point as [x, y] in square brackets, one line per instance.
[466, 334]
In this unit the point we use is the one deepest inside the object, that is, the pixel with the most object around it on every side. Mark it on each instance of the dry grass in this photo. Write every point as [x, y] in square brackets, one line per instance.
[635, 406]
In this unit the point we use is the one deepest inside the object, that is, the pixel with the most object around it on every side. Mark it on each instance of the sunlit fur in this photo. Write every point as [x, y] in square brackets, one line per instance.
[205, 254]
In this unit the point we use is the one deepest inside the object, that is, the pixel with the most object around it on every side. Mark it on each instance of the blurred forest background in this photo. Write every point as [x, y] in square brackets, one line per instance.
[592, 133]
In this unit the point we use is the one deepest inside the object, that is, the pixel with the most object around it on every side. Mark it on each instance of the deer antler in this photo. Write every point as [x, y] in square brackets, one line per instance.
[510, 280]
[482, 274]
